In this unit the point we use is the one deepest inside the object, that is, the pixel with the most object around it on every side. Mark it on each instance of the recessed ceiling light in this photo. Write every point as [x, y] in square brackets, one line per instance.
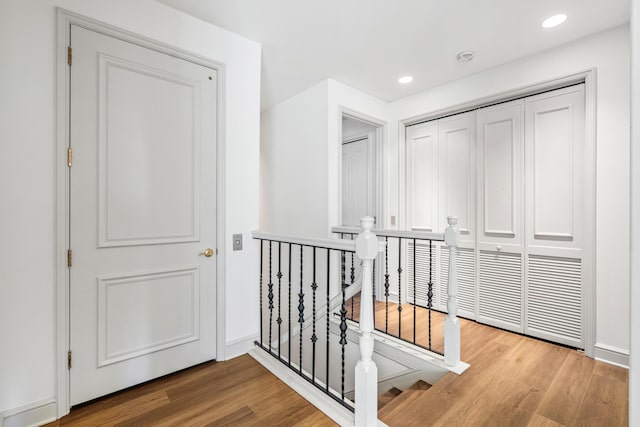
[554, 21]
[405, 79]
[466, 56]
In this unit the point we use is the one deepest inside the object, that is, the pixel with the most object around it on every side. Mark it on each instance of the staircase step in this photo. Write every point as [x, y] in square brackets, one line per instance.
[388, 396]
[420, 385]
[415, 390]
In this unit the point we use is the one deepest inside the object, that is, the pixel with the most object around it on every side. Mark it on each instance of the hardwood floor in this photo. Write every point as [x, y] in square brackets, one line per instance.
[513, 381]
[236, 392]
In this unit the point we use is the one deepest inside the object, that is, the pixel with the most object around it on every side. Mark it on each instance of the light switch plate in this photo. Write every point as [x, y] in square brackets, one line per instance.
[237, 242]
[393, 220]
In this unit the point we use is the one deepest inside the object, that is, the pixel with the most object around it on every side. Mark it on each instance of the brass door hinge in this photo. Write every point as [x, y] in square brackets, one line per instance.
[69, 156]
[69, 55]
[69, 258]
[69, 359]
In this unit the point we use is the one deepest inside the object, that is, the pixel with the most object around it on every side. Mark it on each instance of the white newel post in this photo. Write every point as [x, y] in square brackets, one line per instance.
[366, 396]
[452, 323]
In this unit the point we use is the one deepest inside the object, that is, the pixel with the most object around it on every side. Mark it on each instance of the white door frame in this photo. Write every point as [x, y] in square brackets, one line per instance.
[588, 77]
[378, 187]
[65, 19]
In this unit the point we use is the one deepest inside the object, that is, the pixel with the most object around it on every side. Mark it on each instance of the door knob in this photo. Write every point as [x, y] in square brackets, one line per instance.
[207, 252]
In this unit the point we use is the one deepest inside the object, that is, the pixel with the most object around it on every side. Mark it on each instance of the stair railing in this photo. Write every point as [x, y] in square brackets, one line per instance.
[396, 244]
[288, 286]
[295, 275]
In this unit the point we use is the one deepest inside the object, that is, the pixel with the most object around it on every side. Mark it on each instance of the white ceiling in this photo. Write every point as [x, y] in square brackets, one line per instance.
[368, 44]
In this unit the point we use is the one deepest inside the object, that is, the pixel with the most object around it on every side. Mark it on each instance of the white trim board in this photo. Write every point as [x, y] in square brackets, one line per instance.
[33, 414]
[612, 355]
[240, 346]
[65, 19]
[309, 392]
[588, 77]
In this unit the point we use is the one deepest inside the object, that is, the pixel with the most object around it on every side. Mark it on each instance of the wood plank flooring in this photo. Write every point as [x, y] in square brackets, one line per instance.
[513, 381]
[238, 392]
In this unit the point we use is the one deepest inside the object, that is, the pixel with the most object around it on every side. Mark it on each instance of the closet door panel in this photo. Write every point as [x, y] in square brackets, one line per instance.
[554, 141]
[555, 164]
[500, 164]
[457, 143]
[500, 290]
[422, 176]
[500, 215]
[457, 184]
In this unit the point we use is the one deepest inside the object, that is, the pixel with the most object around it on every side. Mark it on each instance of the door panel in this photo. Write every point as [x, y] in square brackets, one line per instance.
[500, 184]
[357, 182]
[457, 151]
[554, 141]
[500, 215]
[142, 207]
[143, 202]
[422, 176]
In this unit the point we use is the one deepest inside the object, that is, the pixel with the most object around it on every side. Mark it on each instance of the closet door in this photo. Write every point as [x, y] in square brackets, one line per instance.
[422, 176]
[554, 141]
[500, 212]
[457, 197]
[422, 207]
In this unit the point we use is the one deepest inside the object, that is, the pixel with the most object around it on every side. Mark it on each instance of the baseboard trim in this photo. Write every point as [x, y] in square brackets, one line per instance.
[33, 414]
[612, 355]
[239, 347]
[333, 410]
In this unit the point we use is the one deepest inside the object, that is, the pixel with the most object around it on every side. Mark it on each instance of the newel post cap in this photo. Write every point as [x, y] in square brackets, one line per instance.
[367, 241]
[451, 232]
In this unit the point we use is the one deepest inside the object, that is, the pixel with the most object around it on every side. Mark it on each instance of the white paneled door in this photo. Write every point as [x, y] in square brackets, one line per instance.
[441, 162]
[522, 239]
[142, 214]
[500, 215]
[357, 181]
[555, 204]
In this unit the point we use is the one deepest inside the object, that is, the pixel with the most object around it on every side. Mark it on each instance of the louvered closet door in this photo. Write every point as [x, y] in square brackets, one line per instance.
[441, 178]
[554, 141]
[457, 181]
[500, 264]
[422, 207]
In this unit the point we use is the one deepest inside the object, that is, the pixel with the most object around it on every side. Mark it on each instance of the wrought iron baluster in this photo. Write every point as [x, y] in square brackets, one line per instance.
[279, 275]
[270, 295]
[414, 290]
[289, 310]
[328, 315]
[343, 323]
[353, 279]
[314, 337]
[261, 290]
[386, 285]
[399, 287]
[430, 291]
[301, 307]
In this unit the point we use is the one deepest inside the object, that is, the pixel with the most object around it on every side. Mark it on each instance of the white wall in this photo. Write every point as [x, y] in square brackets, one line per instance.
[27, 176]
[634, 365]
[609, 53]
[293, 165]
[300, 158]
